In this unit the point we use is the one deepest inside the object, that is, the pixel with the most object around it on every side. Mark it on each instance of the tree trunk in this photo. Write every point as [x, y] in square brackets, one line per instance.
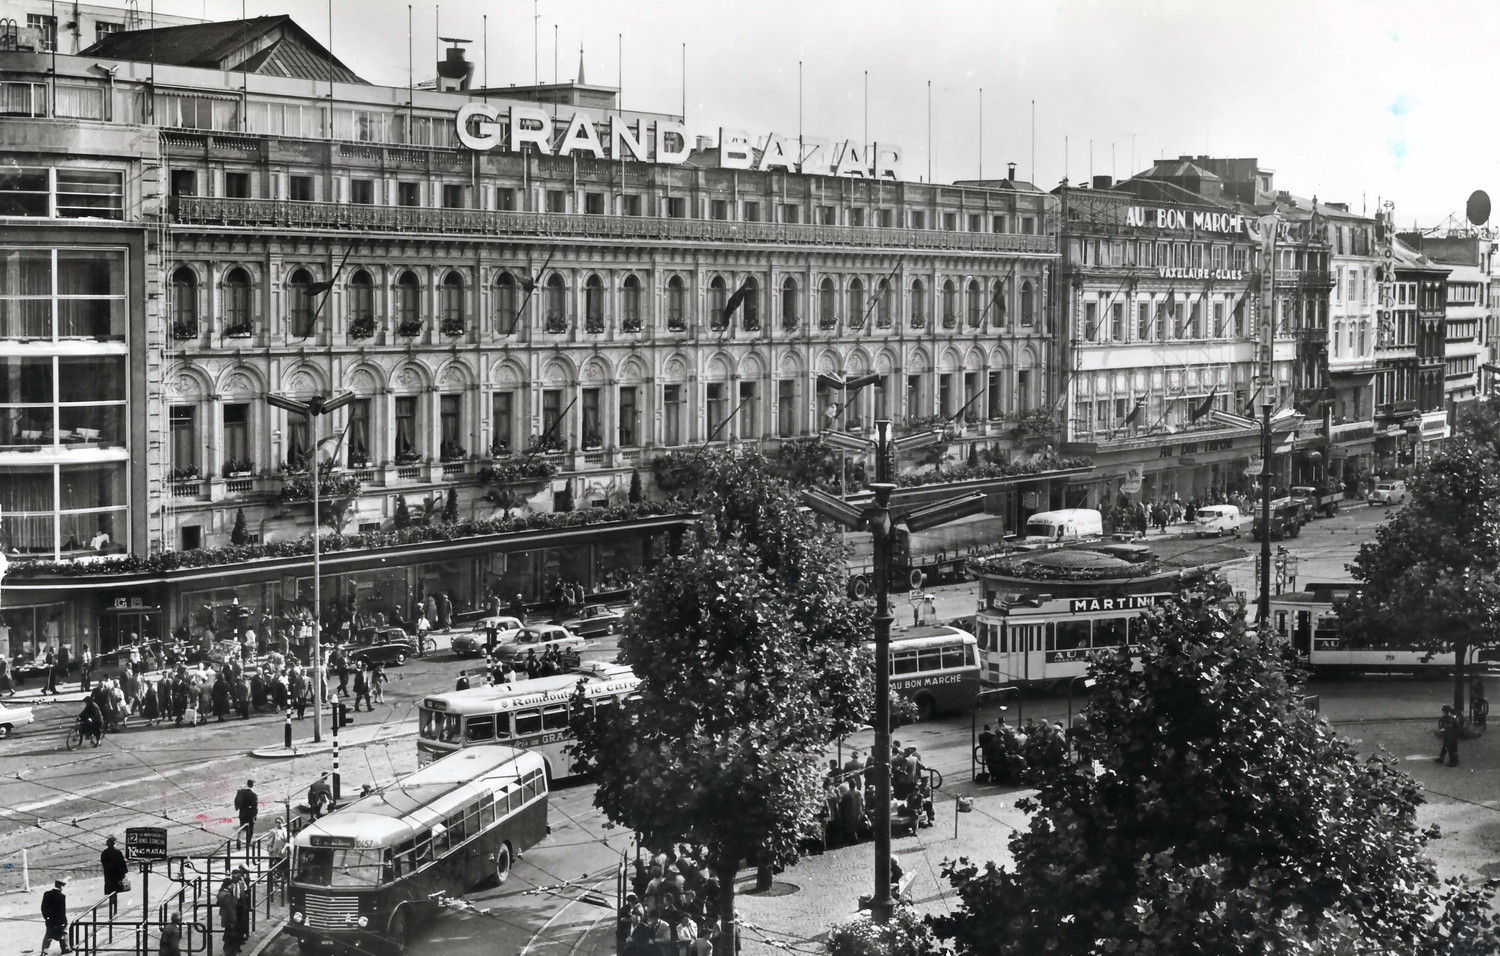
[765, 878]
[1460, 675]
[724, 944]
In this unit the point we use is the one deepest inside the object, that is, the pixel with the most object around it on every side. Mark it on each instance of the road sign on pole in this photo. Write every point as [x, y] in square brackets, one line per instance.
[145, 843]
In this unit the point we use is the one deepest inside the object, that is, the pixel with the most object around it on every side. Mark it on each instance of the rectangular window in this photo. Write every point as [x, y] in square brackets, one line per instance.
[749, 417]
[1090, 321]
[919, 219]
[557, 200]
[790, 212]
[828, 216]
[450, 420]
[505, 199]
[103, 28]
[358, 441]
[976, 222]
[856, 216]
[997, 224]
[184, 182]
[503, 427]
[89, 194]
[184, 421]
[237, 437]
[718, 410]
[453, 196]
[671, 415]
[299, 188]
[1028, 226]
[362, 192]
[719, 209]
[993, 395]
[630, 417]
[46, 27]
[950, 222]
[914, 396]
[406, 428]
[408, 194]
[752, 212]
[593, 204]
[1023, 391]
[676, 207]
[552, 424]
[588, 403]
[630, 205]
[23, 99]
[786, 408]
[237, 185]
[887, 217]
[1218, 319]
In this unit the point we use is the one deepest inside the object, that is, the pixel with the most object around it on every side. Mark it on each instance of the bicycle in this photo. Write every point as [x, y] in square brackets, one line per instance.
[76, 736]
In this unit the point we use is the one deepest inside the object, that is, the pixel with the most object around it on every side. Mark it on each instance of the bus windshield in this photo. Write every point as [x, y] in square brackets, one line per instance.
[336, 866]
[441, 726]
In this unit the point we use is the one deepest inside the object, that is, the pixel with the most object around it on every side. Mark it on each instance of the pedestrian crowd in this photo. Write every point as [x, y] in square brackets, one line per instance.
[498, 670]
[1011, 755]
[673, 905]
[844, 817]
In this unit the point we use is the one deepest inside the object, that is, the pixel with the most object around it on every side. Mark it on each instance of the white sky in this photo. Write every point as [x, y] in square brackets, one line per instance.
[1351, 100]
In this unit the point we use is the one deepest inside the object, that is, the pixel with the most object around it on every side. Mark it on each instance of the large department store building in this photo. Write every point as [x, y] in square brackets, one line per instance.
[489, 273]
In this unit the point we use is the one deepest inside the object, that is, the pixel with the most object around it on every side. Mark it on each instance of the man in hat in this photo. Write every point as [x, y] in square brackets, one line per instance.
[55, 916]
[320, 796]
[112, 861]
[171, 937]
[248, 805]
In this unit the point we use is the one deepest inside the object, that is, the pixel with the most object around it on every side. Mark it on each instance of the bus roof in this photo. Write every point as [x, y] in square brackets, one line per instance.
[927, 635]
[597, 679]
[417, 800]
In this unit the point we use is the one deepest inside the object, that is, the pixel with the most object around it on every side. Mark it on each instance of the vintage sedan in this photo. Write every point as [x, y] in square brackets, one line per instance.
[595, 620]
[473, 643]
[13, 717]
[538, 637]
[380, 645]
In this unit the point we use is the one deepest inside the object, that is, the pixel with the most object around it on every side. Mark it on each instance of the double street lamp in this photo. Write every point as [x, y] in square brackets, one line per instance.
[311, 410]
[881, 523]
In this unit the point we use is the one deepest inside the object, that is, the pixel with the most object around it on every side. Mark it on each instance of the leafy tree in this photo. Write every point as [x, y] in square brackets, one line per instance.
[635, 488]
[238, 535]
[402, 518]
[752, 663]
[974, 456]
[1209, 812]
[1429, 577]
[335, 514]
[563, 500]
[450, 507]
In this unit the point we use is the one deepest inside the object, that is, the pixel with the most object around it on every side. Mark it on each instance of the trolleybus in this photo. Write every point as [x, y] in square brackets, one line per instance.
[365, 876]
[533, 714]
[936, 667]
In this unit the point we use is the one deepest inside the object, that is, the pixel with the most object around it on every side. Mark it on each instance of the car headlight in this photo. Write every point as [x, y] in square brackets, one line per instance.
[297, 917]
[362, 922]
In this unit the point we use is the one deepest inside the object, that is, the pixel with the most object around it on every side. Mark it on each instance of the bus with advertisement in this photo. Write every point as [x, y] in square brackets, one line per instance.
[935, 666]
[532, 714]
[364, 877]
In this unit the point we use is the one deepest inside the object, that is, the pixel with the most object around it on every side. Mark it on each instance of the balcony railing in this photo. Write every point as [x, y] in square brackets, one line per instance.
[341, 217]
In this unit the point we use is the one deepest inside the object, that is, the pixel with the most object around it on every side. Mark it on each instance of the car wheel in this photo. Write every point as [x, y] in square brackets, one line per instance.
[400, 657]
[4, 731]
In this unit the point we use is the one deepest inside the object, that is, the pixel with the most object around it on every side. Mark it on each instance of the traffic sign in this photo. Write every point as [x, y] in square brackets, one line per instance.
[145, 843]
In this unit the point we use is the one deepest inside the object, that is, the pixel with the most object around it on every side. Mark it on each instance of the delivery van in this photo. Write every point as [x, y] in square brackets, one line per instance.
[1216, 520]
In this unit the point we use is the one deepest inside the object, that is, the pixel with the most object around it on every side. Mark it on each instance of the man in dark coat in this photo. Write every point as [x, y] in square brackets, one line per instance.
[248, 805]
[112, 861]
[55, 916]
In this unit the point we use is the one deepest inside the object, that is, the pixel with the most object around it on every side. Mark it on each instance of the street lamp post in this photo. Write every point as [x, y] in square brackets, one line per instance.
[877, 518]
[1264, 609]
[311, 409]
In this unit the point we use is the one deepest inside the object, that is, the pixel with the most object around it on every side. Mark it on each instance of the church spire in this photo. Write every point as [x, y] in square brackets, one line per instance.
[580, 64]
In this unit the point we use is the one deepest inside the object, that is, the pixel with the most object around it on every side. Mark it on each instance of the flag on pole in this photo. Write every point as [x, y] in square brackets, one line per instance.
[1249, 408]
[1203, 407]
[1135, 413]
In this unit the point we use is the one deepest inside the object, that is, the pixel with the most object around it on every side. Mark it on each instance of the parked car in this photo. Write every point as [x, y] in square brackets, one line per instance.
[593, 620]
[380, 645]
[1217, 520]
[538, 637]
[1388, 493]
[473, 643]
[13, 717]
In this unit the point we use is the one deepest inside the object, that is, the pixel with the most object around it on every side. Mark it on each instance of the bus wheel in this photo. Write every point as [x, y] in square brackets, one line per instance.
[859, 587]
[925, 708]
[399, 932]
[502, 865]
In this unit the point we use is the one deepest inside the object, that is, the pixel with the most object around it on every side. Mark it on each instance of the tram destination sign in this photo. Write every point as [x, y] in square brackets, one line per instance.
[145, 843]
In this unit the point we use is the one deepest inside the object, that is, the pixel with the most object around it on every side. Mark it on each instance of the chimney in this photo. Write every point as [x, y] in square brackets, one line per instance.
[1103, 182]
[454, 72]
[1010, 171]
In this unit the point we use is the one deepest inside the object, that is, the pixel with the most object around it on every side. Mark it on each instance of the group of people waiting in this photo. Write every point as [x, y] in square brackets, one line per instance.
[1010, 754]
[673, 906]
[849, 792]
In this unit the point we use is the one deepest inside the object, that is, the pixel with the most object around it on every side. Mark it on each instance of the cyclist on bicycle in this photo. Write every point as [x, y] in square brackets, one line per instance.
[91, 719]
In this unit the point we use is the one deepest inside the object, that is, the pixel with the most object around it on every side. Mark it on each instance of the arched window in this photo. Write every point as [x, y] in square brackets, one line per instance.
[976, 304]
[918, 304]
[856, 309]
[451, 304]
[676, 304]
[998, 309]
[718, 295]
[630, 305]
[237, 320]
[883, 308]
[593, 304]
[556, 319]
[361, 305]
[750, 308]
[950, 305]
[827, 310]
[1028, 304]
[408, 304]
[299, 304]
[184, 304]
[789, 303]
[507, 303]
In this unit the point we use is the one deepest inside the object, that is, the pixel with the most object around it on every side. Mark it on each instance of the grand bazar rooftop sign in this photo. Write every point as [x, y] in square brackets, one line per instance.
[483, 127]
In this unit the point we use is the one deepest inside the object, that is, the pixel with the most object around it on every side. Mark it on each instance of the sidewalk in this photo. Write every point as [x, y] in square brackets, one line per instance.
[356, 734]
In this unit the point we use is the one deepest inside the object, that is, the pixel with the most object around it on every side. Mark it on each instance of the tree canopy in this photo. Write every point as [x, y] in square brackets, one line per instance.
[1429, 576]
[1209, 812]
[752, 663]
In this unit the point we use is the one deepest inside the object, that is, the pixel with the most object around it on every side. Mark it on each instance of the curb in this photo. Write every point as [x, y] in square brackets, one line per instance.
[307, 748]
[270, 936]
